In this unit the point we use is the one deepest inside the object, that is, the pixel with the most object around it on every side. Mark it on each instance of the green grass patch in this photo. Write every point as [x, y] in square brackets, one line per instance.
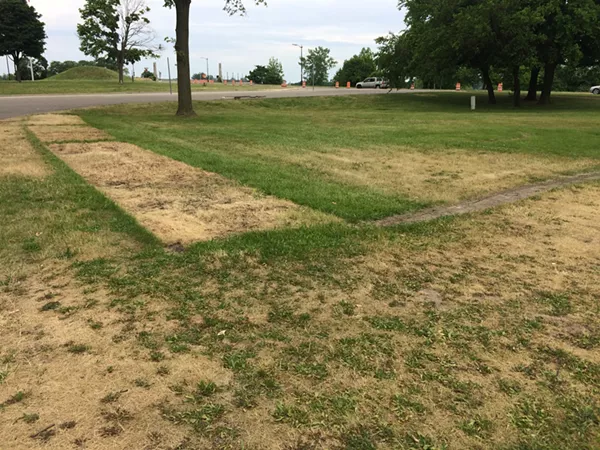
[277, 145]
[87, 73]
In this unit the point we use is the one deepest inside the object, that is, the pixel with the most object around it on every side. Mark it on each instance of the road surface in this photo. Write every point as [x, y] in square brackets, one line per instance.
[15, 106]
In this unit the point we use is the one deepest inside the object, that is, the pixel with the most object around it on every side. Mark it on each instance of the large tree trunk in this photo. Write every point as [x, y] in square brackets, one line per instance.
[485, 72]
[533, 84]
[517, 87]
[16, 60]
[182, 48]
[549, 70]
[121, 70]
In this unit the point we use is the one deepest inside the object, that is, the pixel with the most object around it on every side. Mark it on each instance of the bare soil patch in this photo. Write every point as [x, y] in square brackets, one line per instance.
[508, 196]
[68, 133]
[177, 202]
[16, 153]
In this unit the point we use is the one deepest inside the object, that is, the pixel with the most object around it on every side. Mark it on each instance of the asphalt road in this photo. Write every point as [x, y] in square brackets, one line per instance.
[15, 106]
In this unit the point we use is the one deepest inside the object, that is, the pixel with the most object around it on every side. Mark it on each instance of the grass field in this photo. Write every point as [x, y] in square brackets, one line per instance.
[79, 86]
[86, 73]
[478, 331]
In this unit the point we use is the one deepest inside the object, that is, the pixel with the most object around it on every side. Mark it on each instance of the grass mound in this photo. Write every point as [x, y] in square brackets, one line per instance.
[87, 73]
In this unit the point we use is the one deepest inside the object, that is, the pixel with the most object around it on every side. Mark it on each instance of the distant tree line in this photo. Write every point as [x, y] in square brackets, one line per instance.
[41, 68]
[541, 44]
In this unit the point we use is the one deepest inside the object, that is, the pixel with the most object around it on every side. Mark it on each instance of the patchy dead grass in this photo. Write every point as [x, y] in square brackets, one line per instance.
[439, 338]
[55, 119]
[445, 175]
[16, 153]
[177, 202]
[65, 386]
[68, 133]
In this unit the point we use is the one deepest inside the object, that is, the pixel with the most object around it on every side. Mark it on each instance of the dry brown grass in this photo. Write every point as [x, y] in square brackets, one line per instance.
[547, 244]
[177, 202]
[16, 153]
[64, 386]
[68, 133]
[482, 272]
[55, 119]
[448, 176]
[506, 257]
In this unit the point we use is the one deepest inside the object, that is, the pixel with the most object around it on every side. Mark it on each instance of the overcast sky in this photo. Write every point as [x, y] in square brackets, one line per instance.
[240, 43]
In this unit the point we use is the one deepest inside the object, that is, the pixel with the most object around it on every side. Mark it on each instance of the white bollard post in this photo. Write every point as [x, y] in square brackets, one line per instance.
[473, 102]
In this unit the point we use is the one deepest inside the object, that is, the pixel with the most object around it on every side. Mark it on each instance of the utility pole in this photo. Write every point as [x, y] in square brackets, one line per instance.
[301, 62]
[31, 69]
[7, 68]
[169, 69]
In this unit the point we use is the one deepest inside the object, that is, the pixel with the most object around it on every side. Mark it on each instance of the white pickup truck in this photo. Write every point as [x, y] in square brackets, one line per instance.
[595, 90]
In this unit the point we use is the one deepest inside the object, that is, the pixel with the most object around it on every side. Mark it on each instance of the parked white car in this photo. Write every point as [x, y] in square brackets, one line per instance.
[595, 90]
[372, 82]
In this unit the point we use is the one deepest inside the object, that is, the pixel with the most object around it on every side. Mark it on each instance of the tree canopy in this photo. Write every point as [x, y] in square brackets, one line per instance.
[272, 73]
[117, 30]
[316, 65]
[357, 68]
[502, 39]
[21, 32]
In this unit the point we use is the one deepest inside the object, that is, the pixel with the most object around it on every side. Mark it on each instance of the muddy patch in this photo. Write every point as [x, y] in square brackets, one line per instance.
[70, 133]
[16, 153]
[177, 202]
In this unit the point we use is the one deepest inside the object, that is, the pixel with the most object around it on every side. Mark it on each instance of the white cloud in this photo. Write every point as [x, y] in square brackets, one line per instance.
[240, 43]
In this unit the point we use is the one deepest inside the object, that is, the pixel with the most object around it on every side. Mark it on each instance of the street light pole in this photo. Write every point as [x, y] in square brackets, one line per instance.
[301, 62]
[207, 76]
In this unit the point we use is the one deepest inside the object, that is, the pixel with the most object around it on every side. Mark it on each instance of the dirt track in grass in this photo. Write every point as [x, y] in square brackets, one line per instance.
[501, 198]
[177, 202]
[16, 153]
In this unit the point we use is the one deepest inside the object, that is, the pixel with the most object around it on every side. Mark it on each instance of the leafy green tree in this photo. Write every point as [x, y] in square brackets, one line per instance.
[317, 65]
[258, 75]
[199, 76]
[270, 74]
[515, 38]
[147, 74]
[570, 30]
[40, 68]
[182, 48]
[117, 30]
[395, 57]
[576, 78]
[21, 32]
[274, 72]
[357, 68]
